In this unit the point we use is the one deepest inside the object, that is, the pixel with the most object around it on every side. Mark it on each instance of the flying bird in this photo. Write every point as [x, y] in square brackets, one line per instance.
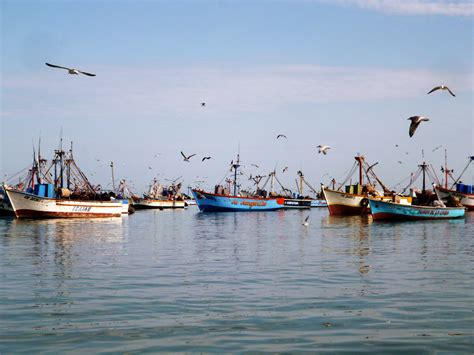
[415, 122]
[323, 149]
[281, 136]
[399, 162]
[70, 70]
[150, 167]
[441, 87]
[203, 104]
[306, 223]
[204, 158]
[255, 165]
[186, 158]
[435, 149]
[285, 169]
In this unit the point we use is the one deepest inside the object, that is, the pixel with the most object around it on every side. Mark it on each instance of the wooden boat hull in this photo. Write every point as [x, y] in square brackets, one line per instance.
[383, 210]
[467, 200]
[158, 204]
[208, 202]
[31, 206]
[341, 203]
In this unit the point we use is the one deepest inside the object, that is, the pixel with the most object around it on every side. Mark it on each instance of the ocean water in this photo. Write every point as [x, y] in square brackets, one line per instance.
[164, 281]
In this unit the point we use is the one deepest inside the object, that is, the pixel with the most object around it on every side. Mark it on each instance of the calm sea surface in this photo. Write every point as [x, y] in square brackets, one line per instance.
[231, 282]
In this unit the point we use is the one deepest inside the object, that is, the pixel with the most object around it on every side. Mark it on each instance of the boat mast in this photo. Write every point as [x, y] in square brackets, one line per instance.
[423, 168]
[360, 160]
[236, 166]
[113, 180]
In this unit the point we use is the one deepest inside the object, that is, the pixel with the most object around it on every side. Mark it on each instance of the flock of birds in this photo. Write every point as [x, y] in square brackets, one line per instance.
[415, 120]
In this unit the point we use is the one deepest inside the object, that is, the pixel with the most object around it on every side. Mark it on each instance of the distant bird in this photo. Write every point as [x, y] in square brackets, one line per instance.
[399, 162]
[255, 165]
[323, 149]
[204, 158]
[306, 223]
[396, 145]
[150, 167]
[415, 122]
[186, 158]
[70, 70]
[435, 149]
[203, 104]
[285, 169]
[281, 136]
[156, 155]
[97, 159]
[441, 87]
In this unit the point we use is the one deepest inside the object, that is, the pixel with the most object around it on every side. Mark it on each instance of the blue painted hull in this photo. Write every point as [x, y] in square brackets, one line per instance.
[208, 202]
[318, 203]
[394, 211]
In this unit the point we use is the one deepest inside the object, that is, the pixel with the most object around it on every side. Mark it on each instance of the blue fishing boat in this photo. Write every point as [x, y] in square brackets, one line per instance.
[385, 210]
[222, 201]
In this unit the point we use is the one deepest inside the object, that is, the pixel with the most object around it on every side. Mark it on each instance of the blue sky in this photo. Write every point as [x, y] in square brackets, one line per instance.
[343, 73]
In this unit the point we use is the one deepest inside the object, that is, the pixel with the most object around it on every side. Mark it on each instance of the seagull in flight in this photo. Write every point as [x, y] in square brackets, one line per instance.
[285, 169]
[441, 87]
[281, 136]
[306, 223]
[435, 149]
[415, 122]
[255, 165]
[323, 149]
[70, 70]
[186, 158]
[204, 158]
[203, 104]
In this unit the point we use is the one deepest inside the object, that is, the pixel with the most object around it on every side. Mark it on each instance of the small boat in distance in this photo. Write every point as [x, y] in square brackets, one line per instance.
[161, 197]
[222, 201]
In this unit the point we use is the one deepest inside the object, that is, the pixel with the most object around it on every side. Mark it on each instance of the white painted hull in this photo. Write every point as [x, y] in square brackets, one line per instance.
[31, 206]
[160, 204]
[344, 203]
[467, 200]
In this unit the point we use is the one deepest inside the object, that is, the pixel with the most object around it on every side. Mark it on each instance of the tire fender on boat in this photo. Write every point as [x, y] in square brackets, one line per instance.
[364, 202]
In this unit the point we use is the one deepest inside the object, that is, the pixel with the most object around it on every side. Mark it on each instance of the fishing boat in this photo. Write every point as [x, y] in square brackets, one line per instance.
[161, 197]
[462, 192]
[70, 195]
[222, 201]
[387, 210]
[355, 199]
[6, 208]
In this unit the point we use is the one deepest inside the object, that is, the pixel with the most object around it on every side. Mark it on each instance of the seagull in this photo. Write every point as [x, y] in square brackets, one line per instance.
[204, 158]
[323, 149]
[399, 162]
[70, 70]
[396, 145]
[255, 165]
[441, 87]
[186, 158]
[435, 149]
[150, 167]
[306, 223]
[203, 104]
[285, 169]
[281, 136]
[415, 122]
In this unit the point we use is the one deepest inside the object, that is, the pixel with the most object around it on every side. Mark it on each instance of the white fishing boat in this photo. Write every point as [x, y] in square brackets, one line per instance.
[67, 194]
[354, 200]
[26, 205]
